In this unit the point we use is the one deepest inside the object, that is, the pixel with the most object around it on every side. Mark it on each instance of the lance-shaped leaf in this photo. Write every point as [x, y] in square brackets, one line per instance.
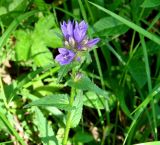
[57, 100]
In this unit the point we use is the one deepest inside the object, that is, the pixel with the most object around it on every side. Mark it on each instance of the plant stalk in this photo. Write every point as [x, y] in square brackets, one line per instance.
[69, 117]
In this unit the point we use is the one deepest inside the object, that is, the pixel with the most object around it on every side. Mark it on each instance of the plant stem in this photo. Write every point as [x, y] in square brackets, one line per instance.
[68, 122]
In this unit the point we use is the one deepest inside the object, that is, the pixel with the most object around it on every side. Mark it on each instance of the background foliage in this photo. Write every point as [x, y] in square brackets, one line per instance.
[117, 95]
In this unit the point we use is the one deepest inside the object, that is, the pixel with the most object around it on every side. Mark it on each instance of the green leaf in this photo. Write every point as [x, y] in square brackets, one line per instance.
[45, 35]
[76, 113]
[57, 100]
[48, 32]
[84, 83]
[45, 130]
[93, 100]
[109, 26]
[120, 94]
[40, 53]
[3, 10]
[83, 137]
[34, 45]
[53, 38]
[22, 51]
[150, 3]
[53, 110]
[137, 70]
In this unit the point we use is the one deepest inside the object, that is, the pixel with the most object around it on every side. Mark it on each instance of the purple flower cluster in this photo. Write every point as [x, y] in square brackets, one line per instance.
[76, 40]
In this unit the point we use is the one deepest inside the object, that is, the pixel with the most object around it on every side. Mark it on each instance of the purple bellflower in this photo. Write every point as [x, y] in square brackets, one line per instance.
[76, 40]
[65, 57]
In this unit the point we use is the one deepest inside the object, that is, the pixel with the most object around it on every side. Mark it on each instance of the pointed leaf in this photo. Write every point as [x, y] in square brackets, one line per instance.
[76, 114]
[57, 100]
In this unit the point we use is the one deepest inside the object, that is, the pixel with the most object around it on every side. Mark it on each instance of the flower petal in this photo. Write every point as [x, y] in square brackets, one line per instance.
[83, 25]
[70, 28]
[64, 62]
[92, 42]
[80, 31]
[79, 35]
[59, 57]
[64, 28]
[62, 50]
[67, 29]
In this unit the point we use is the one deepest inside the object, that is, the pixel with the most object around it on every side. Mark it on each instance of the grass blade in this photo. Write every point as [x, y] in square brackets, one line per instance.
[11, 129]
[149, 83]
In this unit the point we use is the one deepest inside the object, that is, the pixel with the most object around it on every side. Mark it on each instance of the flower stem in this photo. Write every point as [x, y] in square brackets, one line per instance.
[68, 122]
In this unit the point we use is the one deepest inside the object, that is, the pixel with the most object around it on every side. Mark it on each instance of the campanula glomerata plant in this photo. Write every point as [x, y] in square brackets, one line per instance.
[75, 42]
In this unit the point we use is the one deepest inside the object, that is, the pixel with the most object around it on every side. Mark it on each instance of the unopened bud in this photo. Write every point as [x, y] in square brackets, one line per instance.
[71, 42]
[78, 76]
